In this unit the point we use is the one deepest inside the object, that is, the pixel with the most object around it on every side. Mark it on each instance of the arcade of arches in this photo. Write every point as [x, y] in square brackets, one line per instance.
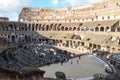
[72, 35]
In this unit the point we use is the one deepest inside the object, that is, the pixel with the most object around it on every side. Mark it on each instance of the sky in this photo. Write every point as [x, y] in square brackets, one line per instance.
[12, 8]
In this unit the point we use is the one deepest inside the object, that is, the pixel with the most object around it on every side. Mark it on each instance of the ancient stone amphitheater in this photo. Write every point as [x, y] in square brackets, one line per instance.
[89, 28]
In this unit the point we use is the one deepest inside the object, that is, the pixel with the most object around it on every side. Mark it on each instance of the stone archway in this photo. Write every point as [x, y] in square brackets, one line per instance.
[6, 28]
[66, 28]
[43, 27]
[78, 29]
[96, 29]
[26, 38]
[67, 43]
[74, 28]
[99, 47]
[113, 50]
[90, 45]
[101, 28]
[58, 28]
[94, 46]
[29, 28]
[32, 28]
[13, 38]
[118, 29]
[70, 28]
[54, 28]
[51, 26]
[82, 43]
[107, 29]
[10, 27]
[47, 27]
[62, 28]
[36, 27]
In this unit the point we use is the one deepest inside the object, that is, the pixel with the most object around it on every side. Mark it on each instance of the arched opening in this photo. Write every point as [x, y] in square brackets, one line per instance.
[70, 44]
[78, 29]
[6, 28]
[29, 28]
[40, 27]
[58, 28]
[26, 38]
[29, 24]
[56, 41]
[102, 18]
[47, 27]
[82, 44]
[96, 29]
[108, 17]
[113, 50]
[107, 29]
[60, 41]
[66, 28]
[15, 27]
[99, 47]
[54, 28]
[96, 17]
[74, 28]
[3, 28]
[13, 38]
[10, 27]
[25, 28]
[51, 26]
[67, 44]
[32, 28]
[62, 28]
[102, 29]
[118, 29]
[94, 46]
[36, 27]
[43, 27]
[90, 45]
[87, 29]
[22, 28]
[78, 43]
[18, 28]
[70, 29]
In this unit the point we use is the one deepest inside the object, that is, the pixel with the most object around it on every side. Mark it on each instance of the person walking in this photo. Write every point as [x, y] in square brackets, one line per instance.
[77, 61]
[71, 61]
[79, 57]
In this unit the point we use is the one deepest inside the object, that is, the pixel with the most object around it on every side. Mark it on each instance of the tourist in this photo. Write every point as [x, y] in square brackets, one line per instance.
[77, 61]
[71, 61]
[61, 63]
[79, 57]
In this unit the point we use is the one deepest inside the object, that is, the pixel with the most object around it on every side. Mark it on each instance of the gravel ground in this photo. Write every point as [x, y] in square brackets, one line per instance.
[85, 67]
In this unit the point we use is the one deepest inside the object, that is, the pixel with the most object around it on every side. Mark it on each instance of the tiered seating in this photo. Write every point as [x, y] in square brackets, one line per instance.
[97, 39]
[58, 35]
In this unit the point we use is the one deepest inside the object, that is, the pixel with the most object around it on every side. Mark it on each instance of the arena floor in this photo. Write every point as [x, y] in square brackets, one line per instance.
[85, 67]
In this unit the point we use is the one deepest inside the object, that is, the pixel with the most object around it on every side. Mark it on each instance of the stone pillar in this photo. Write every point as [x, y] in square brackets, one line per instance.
[60, 75]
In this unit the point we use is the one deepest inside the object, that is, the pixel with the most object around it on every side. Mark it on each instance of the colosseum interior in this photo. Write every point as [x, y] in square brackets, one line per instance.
[94, 27]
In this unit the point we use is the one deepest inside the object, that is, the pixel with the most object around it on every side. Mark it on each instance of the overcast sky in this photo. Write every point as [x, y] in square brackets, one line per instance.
[12, 8]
